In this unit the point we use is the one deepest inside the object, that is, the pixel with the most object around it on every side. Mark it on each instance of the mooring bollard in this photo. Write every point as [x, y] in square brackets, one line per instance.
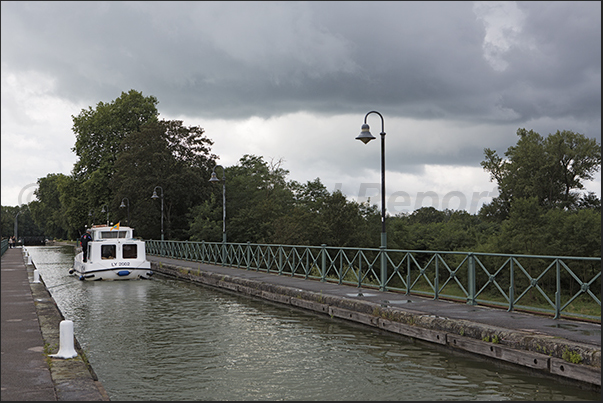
[36, 276]
[66, 349]
[29, 261]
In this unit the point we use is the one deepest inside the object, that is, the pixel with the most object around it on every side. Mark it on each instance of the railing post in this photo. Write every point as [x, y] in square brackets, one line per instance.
[202, 251]
[268, 258]
[511, 286]
[408, 266]
[359, 270]
[436, 280]
[382, 249]
[471, 280]
[248, 255]
[307, 266]
[280, 259]
[293, 267]
[558, 292]
[323, 263]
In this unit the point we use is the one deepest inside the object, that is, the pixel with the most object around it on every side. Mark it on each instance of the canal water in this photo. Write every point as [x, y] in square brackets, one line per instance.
[163, 339]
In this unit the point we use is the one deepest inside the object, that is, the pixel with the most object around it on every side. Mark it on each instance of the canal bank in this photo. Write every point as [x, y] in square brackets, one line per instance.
[30, 333]
[537, 343]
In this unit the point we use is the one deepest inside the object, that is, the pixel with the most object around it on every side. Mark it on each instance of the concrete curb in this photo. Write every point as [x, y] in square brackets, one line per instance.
[74, 378]
[542, 353]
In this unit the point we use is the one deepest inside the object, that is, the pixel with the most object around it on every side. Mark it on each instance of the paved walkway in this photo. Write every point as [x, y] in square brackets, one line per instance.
[25, 374]
[28, 326]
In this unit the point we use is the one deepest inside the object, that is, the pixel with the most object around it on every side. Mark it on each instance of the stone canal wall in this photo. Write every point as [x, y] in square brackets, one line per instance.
[74, 379]
[542, 353]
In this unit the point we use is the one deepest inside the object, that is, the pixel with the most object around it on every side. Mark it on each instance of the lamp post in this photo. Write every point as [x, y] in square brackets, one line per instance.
[17, 227]
[122, 205]
[155, 197]
[366, 136]
[103, 210]
[214, 178]
[90, 217]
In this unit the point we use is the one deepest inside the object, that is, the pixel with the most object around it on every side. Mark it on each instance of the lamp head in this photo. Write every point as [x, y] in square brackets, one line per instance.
[214, 177]
[103, 210]
[154, 195]
[122, 205]
[365, 135]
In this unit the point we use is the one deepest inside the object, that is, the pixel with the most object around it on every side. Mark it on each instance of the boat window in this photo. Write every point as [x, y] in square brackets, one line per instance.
[129, 251]
[113, 234]
[108, 251]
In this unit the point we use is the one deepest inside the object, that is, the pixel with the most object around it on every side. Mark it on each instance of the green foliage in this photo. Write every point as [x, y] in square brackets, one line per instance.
[170, 155]
[263, 207]
[99, 135]
[100, 131]
[549, 169]
[26, 225]
[48, 211]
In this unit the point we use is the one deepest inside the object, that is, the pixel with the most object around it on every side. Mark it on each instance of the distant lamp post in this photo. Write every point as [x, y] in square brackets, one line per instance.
[155, 197]
[90, 217]
[107, 211]
[214, 178]
[365, 136]
[122, 205]
[17, 227]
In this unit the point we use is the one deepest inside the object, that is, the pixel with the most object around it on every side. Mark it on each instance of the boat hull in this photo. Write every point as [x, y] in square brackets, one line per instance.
[107, 270]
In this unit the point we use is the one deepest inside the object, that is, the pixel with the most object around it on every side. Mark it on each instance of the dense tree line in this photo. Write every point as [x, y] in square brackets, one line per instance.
[126, 153]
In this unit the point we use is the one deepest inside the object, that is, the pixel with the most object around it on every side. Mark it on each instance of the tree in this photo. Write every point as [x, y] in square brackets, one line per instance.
[99, 133]
[170, 155]
[47, 211]
[549, 169]
[256, 195]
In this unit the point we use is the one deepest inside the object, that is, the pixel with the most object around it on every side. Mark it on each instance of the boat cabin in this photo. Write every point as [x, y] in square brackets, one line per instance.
[114, 244]
[104, 232]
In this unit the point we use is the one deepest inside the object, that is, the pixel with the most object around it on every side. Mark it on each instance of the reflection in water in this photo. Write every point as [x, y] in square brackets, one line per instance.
[163, 339]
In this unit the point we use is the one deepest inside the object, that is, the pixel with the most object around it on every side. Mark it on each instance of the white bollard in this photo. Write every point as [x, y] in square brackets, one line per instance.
[29, 261]
[36, 276]
[66, 349]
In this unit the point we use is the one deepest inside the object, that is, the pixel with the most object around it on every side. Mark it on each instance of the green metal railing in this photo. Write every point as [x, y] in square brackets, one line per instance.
[4, 246]
[549, 284]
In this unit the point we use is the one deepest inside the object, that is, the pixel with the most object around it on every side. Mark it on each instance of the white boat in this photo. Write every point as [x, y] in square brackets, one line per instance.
[113, 254]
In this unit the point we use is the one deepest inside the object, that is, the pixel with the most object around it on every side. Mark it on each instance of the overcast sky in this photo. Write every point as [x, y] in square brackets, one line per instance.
[293, 82]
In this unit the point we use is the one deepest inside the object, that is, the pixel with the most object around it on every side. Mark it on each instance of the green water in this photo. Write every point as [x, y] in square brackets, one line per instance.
[163, 339]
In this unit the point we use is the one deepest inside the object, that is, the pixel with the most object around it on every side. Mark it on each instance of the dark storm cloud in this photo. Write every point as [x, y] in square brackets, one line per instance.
[237, 59]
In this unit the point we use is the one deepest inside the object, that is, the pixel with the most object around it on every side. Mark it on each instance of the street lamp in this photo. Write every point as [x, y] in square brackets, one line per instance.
[122, 205]
[17, 227]
[214, 178]
[366, 136]
[103, 210]
[155, 197]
